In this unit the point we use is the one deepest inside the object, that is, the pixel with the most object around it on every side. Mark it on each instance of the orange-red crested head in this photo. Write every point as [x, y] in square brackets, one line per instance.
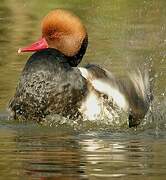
[61, 30]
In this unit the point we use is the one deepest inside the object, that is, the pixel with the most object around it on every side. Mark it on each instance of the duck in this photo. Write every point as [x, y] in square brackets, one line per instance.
[52, 83]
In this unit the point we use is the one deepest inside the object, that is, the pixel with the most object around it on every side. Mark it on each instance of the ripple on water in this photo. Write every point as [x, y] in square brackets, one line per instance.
[92, 151]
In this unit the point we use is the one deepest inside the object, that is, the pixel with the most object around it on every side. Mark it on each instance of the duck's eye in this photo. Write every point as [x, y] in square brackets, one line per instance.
[51, 34]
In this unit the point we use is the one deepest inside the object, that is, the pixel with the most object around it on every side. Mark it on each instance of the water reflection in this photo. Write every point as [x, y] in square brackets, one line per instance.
[50, 157]
[127, 159]
[30, 153]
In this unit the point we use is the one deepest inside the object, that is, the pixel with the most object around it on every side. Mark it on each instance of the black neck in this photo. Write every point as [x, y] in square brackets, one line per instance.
[76, 59]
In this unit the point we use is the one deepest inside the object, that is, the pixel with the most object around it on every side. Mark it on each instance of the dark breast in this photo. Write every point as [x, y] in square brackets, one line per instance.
[48, 85]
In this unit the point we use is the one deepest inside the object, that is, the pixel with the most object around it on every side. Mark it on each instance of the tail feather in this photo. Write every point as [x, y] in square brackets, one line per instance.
[139, 94]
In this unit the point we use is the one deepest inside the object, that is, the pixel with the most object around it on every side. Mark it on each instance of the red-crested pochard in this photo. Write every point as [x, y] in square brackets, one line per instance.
[51, 83]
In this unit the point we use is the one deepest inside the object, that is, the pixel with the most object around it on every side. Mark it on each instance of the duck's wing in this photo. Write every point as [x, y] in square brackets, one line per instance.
[105, 83]
[132, 94]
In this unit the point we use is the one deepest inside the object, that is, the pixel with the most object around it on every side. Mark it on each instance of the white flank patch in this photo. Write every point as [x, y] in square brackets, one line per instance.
[91, 107]
[111, 92]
